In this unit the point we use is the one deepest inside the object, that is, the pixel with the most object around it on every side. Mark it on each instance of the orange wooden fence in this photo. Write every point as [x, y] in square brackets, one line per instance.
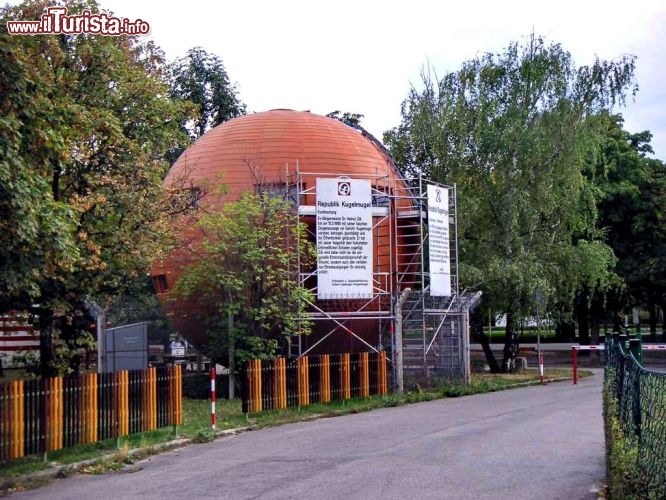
[38, 416]
[276, 384]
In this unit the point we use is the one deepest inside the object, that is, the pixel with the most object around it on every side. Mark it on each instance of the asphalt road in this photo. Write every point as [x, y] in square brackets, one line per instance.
[543, 442]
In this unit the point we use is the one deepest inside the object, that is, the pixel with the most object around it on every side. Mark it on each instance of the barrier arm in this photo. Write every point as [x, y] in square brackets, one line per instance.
[574, 350]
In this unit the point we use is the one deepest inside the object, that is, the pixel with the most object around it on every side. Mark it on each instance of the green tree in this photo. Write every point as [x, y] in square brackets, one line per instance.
[85, 124]
[351, 119]
[201, 78]
[632, 210]
[511, 131]
[246, 273]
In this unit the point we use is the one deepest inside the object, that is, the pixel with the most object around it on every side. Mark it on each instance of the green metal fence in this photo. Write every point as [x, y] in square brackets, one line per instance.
[635, 420]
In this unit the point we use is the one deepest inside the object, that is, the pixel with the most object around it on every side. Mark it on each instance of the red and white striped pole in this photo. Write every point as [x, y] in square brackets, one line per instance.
[574, 350]
[212, 396]
[541, 367]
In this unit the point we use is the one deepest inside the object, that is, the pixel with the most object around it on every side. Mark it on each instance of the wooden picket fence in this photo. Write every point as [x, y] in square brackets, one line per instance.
[279, 383]
[38, 416]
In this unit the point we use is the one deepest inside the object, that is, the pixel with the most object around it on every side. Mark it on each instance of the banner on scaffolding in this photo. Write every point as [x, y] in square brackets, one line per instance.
[438, 241]
[344, 238]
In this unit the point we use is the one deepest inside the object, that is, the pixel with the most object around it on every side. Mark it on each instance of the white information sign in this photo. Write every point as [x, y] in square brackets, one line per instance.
[344, 238]
[438, 241]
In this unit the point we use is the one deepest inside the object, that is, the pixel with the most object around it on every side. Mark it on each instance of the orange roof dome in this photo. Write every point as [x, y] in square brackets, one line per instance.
[264, 148]
[270, 140]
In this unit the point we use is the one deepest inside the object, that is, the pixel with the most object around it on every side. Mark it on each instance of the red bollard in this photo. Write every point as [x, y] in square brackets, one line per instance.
[575, 365]
[541, 367]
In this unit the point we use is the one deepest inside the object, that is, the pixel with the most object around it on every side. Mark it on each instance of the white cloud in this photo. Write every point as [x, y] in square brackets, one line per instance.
[362, 55]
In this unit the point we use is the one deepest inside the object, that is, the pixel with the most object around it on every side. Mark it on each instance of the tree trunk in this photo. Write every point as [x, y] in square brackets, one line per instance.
[46, 343]
[68, 334]
[565, 330]
[485, 344]
[511, 336]
[490, 356]
[582, 316]
[596, 315]
[652, 306]
[594, 332]
[618, 322]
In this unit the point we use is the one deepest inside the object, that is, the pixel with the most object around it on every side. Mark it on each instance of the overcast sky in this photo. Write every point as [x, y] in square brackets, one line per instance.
[362, 56]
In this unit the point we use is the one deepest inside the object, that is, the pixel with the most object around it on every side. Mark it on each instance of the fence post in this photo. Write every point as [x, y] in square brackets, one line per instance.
[614, 342]
[114, 379]
[365, 375]
[212, 395]
[281, 382]
[255, 386]
[43, 417]
[55, 414]
[245, 388]
[179, 393]
[345, 376]
[397, 340]
[635, 349]
[259, 387]
[303, 364]
[382, 375]
[94, 417]
[620, 371]
[324, 379]
[153, 398]
[125, 394]
[173, 380]
[16, 429]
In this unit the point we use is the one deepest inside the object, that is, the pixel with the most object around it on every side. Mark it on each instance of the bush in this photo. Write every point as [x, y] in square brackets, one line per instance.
[454, 391]
[622, 474]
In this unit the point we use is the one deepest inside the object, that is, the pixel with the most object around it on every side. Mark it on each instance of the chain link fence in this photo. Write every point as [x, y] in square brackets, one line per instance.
[635, 423]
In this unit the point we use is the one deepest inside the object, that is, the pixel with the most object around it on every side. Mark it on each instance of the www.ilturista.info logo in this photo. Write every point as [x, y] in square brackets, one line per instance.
[55, 21]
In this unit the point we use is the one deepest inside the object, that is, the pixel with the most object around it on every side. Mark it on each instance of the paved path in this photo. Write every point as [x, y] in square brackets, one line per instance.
[543, 442]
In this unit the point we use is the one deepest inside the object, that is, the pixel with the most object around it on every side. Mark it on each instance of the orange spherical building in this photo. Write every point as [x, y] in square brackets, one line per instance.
[288, 151]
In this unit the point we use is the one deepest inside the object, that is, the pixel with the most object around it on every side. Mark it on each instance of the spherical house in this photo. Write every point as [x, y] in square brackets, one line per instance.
[291, 150]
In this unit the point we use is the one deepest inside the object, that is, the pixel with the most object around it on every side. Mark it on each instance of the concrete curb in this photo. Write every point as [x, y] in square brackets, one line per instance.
[61, 471]
[537, 382]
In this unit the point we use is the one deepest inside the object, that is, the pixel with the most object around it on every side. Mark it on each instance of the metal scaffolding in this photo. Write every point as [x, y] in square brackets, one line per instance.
[434, 328]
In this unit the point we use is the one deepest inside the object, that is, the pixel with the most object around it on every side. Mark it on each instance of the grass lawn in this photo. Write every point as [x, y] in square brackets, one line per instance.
[113, 454]
[527, 335]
